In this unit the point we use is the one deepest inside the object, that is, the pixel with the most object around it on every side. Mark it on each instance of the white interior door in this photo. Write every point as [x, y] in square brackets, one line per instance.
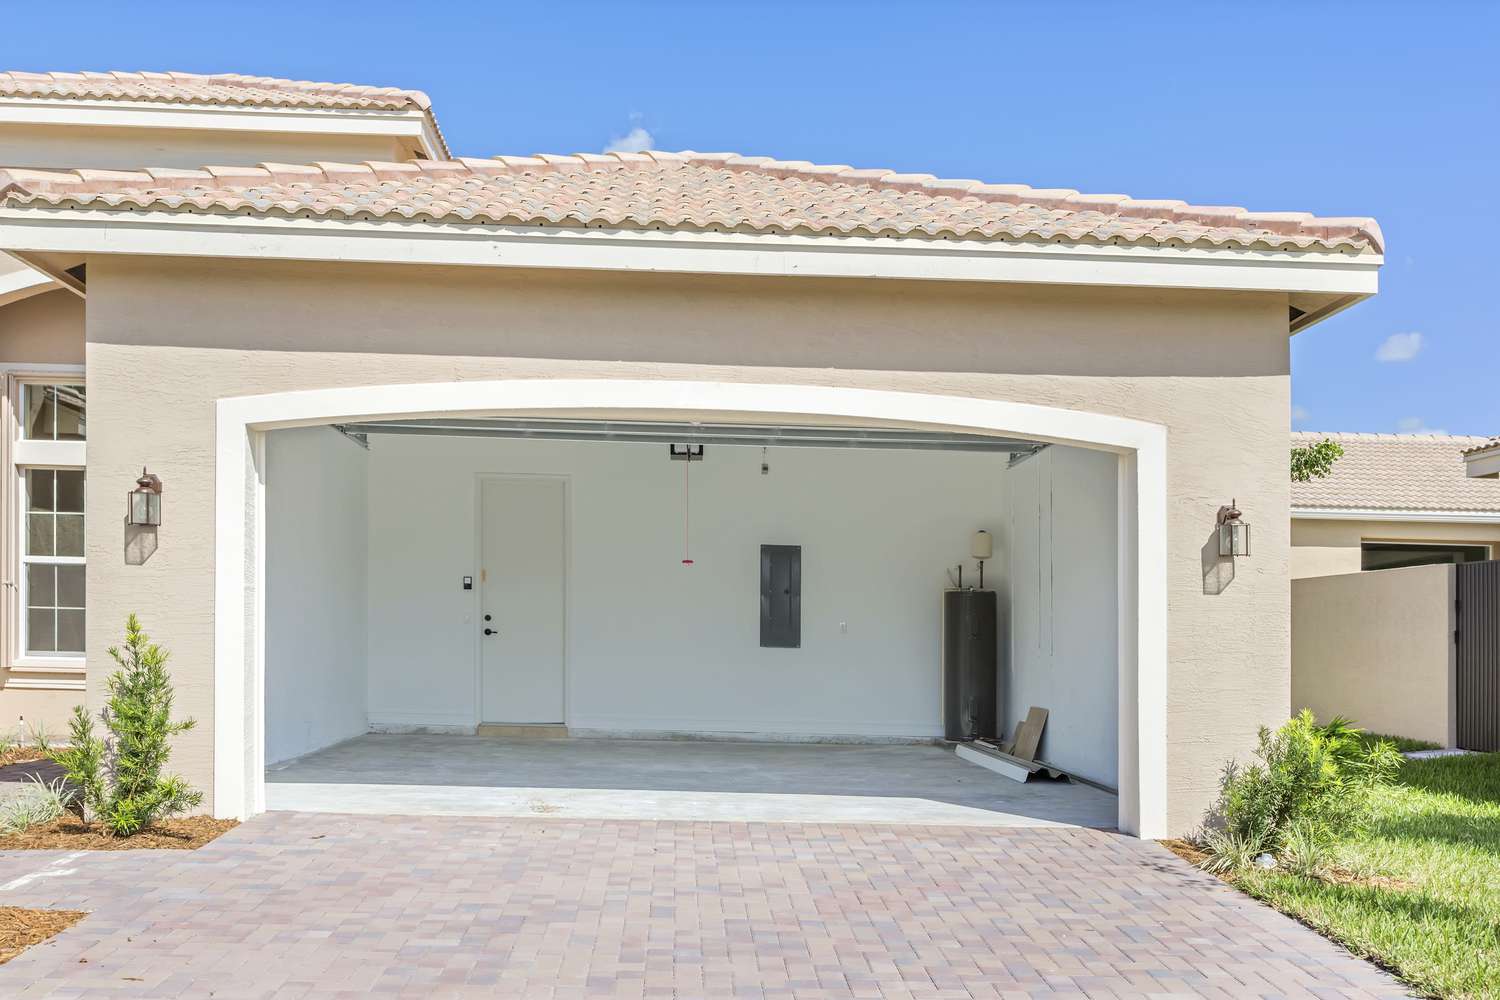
[522, 600]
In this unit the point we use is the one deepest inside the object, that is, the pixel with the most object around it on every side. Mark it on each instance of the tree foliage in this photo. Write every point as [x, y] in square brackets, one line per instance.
[119, 777]
[1314, 461]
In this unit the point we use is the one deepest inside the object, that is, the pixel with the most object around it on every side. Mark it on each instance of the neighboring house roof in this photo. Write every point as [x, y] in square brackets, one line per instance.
[1411, 473]
[1484, 445]
[693, 191]
[225, 90]
[198, 88]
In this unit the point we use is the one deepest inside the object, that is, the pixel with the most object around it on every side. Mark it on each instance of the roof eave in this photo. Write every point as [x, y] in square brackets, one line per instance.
[223, 235]
[410, 123]
[1380, 514]
[1483, 463]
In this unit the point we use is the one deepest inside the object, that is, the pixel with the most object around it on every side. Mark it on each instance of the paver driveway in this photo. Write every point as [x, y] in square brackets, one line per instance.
[302, 905]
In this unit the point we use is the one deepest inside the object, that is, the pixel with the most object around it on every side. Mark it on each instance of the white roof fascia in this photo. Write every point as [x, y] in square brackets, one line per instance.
[17, 281]
[209, 234]
[408, 123]
[1416, 516]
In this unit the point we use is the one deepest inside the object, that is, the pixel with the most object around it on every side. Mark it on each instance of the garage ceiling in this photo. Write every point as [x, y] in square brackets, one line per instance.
[658, 432]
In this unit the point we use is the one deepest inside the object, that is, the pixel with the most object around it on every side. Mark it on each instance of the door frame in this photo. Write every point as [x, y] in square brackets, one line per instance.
[480, 478]
[239, 528]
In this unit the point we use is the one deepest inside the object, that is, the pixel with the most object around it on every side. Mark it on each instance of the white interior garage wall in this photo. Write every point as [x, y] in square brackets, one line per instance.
[316, 540]
[656, 646]
[1060, 543]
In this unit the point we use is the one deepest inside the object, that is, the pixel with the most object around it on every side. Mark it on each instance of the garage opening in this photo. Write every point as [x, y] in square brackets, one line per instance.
[656, 619]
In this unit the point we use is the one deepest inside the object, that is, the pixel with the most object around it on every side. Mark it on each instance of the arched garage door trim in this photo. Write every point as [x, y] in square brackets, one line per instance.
[239, 694]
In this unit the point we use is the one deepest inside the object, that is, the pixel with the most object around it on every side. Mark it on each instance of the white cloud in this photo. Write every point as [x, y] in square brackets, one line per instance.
[635, 141]
[1416, 425]
[1299, 413]
[1399, 347]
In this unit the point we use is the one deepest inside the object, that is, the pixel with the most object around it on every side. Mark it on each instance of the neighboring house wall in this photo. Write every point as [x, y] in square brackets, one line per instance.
[655, 645]
[68, 146]
[169, 336]
[1060, 595]
[315, 591]
[1329, 547]
[1377, 647]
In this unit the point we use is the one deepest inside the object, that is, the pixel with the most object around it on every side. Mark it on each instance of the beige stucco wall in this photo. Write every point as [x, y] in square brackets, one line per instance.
[1327, 547]
[42, 329]
[63, 147]
[1377, 647]
[166, 338]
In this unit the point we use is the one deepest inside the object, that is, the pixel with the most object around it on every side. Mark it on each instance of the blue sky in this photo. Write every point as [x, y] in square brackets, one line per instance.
[1390, 110]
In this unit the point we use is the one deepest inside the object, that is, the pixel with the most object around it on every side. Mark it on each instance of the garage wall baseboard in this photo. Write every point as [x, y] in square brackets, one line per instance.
[712, 736]
[409, 728]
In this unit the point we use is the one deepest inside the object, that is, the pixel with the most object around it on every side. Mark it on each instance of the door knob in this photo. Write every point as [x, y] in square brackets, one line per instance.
[488, 617]
[489, 631]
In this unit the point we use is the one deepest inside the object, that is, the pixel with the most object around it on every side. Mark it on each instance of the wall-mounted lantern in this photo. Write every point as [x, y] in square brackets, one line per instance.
[1234, 531]
[144, 502]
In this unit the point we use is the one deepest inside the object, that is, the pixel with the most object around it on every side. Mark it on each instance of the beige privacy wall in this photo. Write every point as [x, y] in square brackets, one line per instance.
[1377, 647]
[169, 337]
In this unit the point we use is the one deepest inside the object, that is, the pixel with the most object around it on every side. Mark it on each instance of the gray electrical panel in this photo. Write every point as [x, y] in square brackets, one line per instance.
[781, 596]
[970, 664]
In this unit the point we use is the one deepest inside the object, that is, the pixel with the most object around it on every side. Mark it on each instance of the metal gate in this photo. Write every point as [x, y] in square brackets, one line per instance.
[1478, 646]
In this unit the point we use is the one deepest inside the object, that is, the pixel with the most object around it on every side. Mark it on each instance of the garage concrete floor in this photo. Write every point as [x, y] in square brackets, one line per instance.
[426, 775]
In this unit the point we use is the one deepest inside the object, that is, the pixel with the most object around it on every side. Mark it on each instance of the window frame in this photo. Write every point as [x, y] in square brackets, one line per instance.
[26, 560]
[19, 454]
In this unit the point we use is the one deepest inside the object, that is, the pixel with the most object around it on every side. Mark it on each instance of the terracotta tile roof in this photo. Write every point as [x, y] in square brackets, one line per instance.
[1407, 472]
[693, 191]
[219, 88]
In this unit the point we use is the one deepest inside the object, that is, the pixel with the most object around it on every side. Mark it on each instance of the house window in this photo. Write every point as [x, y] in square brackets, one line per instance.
[52, 412]
[1394, 555]
[52, 561]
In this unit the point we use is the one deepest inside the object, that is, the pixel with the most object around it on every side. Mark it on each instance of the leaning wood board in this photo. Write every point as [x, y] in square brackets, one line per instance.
[1029, 734]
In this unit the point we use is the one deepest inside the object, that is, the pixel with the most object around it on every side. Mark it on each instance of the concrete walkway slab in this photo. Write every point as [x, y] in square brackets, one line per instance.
[673, 780]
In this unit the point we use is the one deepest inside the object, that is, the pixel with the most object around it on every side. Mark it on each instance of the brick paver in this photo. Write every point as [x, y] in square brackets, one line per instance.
[296, 905]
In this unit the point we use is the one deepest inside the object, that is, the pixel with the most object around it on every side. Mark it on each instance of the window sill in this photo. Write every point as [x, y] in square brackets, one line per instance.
[14, 683]
[48, 665]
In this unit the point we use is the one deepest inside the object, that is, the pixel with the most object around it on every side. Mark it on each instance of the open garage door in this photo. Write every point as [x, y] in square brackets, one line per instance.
[684, 580]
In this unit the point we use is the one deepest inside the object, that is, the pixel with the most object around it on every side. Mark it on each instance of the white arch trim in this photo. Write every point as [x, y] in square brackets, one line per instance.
[239, 764]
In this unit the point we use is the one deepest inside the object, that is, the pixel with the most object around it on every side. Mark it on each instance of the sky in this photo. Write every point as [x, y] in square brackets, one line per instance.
[1375, 109]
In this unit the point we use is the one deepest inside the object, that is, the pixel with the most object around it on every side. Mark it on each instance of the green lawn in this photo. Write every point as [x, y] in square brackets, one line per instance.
[1420, 893]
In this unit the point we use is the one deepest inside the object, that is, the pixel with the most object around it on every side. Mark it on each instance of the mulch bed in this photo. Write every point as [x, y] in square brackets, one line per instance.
[1335, 875]
[69, 834]
[21, 755]
[20, 929]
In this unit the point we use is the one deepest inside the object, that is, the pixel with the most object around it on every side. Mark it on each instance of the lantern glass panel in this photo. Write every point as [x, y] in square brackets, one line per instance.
[1234, 538]
[145, 508]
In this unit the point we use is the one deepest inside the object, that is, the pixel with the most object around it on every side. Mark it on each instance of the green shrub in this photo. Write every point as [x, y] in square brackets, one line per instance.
[120, 778]
[1311, 785]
